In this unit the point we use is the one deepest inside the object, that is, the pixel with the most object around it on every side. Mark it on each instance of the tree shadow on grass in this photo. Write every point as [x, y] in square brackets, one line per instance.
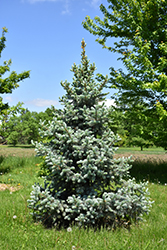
[152, 170]
[21, 146]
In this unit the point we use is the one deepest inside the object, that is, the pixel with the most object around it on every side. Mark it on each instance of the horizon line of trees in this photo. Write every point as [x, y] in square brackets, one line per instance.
[21, 126]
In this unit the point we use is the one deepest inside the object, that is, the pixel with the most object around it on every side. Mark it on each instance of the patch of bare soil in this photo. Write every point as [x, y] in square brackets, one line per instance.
[144, 157]
[9, 187]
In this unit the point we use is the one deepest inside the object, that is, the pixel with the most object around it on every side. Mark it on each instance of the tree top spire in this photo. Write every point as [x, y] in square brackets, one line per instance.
[83, 46]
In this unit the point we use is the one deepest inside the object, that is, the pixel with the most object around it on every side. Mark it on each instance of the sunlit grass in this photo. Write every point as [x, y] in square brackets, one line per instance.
[21, 151]
[134, 150]
[18, 231]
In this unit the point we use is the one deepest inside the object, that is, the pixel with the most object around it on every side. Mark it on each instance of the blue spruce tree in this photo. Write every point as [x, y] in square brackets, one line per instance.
[84, 184]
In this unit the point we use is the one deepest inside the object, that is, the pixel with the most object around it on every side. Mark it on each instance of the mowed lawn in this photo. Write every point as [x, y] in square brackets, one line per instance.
[19, 171]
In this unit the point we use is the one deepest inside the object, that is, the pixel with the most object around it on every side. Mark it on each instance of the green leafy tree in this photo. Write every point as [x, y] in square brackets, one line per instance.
[31, 123]
[117, 124]
[13, 138]
[139, 29]
[8, 126]
[136, 122]
[132, 127]
[84, 183]
[139, 133]
[19, 125]
[8, 84]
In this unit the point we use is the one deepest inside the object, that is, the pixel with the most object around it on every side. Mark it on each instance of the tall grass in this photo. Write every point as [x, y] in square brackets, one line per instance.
[18, 231]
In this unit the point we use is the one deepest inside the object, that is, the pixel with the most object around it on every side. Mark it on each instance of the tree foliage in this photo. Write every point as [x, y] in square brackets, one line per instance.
[20, 126]
[85, 184]
[8, 84]
[139, 29]
[132, 126]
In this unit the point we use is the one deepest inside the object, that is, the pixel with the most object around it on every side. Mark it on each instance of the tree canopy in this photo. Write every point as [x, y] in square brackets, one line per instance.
[8, 84]
[20, 126]
[139, 29]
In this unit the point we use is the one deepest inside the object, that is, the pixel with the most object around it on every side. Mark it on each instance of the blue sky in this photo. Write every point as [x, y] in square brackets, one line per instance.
[44, 36]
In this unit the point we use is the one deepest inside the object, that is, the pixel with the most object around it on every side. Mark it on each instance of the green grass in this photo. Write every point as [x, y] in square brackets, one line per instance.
[137, 150]
[18, 231]
[28, 150]
[21, 151]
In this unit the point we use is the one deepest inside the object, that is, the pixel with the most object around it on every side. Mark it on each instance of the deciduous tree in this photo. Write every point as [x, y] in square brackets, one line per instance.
[139, 30]
[11, 82]
[19, 125]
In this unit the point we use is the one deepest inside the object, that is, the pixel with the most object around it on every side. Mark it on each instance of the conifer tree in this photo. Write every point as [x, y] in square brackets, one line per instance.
[84, 184]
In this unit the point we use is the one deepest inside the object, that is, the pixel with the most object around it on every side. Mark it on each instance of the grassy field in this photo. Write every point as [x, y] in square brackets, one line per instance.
[136, 150]
[19, 151]
[18, 172]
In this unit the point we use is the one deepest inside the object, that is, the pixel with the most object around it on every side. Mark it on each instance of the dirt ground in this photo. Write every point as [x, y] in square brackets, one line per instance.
[9, 187]
[27, 152]
[144, 157]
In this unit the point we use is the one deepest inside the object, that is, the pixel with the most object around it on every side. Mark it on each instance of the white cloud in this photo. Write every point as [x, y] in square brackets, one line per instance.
[66, 8]
[43, 102]
[36, 1]
[109, 102]
[8, 98]
[66, 4]
[95, 3]
[92, 3]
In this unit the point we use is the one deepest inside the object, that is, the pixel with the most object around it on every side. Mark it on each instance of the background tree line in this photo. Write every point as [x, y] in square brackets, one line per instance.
[20, 126]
